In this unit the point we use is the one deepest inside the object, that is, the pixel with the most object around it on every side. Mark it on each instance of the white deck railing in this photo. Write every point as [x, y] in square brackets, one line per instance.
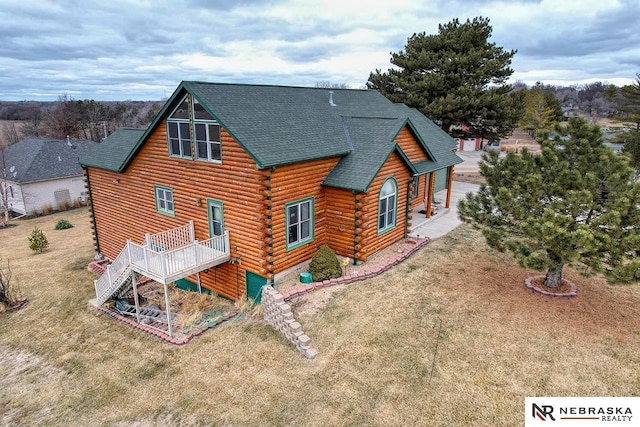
[156, 261]
[114, 276]
[170, 239]
[170, 265]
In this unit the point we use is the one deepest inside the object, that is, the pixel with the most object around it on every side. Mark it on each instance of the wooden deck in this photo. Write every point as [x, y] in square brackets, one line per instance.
[164, 257]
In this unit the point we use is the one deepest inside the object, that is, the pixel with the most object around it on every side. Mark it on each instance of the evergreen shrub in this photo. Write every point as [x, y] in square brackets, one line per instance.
[325, 265]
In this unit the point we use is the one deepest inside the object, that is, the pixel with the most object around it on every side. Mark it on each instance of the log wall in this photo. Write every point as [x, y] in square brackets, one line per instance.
[127, 210]
[370, 241]
[288, 184]
[410, 146]
[341, 220]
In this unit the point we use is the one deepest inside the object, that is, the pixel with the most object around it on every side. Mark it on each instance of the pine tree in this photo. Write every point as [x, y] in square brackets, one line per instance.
[573, 204]
[38, 241]
[630, 102]
[455, 78]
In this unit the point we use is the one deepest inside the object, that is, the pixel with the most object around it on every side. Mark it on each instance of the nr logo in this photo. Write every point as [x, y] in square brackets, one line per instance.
[543, 412]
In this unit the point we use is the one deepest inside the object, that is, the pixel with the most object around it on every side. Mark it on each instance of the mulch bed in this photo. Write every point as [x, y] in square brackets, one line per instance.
[565, 291]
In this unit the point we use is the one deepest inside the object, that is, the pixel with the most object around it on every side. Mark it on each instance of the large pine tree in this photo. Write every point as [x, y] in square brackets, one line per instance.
[456, 77]
[573, 204]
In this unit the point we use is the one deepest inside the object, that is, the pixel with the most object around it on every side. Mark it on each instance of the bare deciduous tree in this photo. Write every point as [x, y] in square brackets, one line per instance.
[9, 293]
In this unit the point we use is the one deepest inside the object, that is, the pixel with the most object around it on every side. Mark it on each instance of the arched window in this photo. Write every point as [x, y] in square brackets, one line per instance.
[387, 205]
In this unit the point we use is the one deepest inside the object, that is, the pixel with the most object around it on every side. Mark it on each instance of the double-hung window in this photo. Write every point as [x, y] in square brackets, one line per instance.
[299, 223]
[179, 132]
[387, 206]
[164, 200]
[208, 142]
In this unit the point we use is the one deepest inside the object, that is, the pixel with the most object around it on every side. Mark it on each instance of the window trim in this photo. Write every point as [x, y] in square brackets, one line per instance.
[388, 227]
[177, 122]
[171, 213]
[214, 202]
[208, 141]
[290, 246]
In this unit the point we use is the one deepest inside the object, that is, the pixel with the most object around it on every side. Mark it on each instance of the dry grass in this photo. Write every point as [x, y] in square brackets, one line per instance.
[61, 364]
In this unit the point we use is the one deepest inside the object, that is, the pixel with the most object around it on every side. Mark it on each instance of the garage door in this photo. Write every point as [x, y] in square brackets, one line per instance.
[469, 144]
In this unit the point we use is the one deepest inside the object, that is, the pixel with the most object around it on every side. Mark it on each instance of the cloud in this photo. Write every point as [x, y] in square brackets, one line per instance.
[142, 49]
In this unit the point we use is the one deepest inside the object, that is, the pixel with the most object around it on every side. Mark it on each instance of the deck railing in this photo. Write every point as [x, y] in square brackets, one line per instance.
[170, 239]
[114, 276]
[186, 256]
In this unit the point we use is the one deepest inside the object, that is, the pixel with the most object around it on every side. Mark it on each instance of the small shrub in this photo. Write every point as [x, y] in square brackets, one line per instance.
[77, 203]
[38, 241]
[63, 224]
[325, 265]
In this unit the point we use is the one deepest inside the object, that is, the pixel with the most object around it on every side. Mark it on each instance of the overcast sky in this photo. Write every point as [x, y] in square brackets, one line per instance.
[142, 49]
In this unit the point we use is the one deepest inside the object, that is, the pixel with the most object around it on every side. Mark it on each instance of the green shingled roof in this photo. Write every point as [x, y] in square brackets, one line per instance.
[115, 152]
[280, 125]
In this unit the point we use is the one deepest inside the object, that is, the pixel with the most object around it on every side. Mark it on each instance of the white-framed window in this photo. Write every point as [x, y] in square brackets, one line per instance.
[164, 200]
[178, 131]
[387, 203]
[193, 133]
[208, 142]
[299, 222]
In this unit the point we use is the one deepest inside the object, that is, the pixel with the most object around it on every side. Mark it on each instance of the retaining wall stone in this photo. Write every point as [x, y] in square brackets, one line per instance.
[278, 314]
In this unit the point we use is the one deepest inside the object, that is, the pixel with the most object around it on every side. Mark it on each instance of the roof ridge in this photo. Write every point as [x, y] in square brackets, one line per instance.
[272, 85]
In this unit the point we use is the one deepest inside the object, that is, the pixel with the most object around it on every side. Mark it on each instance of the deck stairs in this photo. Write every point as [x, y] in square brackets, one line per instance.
[163, 257]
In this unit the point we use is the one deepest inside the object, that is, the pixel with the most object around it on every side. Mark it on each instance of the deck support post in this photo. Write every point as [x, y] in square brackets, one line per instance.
[198, 281]
[166, 301]
[192, 232]
[135, 294]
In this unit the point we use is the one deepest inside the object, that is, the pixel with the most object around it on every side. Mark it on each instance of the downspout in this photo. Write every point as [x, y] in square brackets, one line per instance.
[93, 215]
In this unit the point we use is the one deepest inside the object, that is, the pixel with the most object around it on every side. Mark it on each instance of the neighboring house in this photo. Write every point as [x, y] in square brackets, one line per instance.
[42, 174]
[242, 183]
[469, 144]
[465, 142]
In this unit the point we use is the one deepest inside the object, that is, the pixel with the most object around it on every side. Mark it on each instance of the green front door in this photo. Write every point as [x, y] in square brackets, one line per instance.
[254, 284]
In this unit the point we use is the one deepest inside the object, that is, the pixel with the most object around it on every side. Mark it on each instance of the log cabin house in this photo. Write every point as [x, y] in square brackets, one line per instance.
[233, 185]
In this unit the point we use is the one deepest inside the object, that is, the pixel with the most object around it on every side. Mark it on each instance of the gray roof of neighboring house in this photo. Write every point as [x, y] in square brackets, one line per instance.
[38, 159]
[279, 125]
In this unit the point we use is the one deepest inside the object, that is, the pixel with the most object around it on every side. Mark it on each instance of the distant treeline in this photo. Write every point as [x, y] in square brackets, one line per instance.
[78, 119]
[89, 119]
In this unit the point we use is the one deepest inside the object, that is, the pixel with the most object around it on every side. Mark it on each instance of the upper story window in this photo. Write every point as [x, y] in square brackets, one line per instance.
[193, 133]
[179, 132]
[387, 206]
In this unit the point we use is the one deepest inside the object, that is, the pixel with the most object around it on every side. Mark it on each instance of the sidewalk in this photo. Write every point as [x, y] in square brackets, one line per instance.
[446, 219]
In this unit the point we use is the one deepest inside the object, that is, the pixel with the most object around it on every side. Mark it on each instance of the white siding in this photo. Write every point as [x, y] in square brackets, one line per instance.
[15, 200]
[39, 194]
